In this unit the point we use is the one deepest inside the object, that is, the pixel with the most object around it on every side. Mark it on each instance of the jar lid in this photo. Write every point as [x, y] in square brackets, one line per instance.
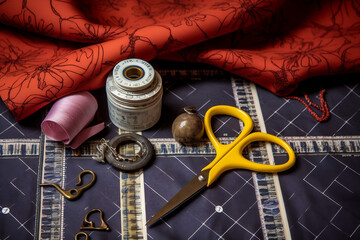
[133, 74]
[134, 98]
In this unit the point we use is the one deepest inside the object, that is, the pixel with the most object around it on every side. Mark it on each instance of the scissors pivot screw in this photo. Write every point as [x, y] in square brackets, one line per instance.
[201, 178]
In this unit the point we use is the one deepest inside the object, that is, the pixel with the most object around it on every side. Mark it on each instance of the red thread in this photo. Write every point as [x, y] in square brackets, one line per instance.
[323, 106]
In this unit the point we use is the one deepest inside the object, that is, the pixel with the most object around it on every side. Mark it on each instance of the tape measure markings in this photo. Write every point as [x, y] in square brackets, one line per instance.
[305, 145]
[300, 145]
[132, 205]
[132, 199]
[336, 144]
[19, 147]
[272, 212]
[51, 212]
[168, 146]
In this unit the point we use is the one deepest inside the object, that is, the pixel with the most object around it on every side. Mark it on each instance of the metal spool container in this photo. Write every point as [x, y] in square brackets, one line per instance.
[134, 93]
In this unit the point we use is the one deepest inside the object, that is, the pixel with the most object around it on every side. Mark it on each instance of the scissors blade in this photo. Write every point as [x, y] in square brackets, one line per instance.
[194, 186]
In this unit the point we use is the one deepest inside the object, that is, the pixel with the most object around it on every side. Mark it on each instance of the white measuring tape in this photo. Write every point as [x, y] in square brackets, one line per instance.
[134, 92]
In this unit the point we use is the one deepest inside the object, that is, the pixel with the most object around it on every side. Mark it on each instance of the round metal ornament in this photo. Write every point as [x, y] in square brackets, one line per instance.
[135, 162]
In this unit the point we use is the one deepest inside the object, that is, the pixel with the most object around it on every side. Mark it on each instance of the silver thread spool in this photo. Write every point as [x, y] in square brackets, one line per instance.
[134, 92]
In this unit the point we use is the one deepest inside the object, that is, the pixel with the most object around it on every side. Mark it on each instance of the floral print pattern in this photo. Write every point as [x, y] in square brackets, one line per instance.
[52, 48]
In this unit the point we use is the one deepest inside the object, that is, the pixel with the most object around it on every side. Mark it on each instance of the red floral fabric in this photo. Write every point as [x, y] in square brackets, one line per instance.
[49, 49]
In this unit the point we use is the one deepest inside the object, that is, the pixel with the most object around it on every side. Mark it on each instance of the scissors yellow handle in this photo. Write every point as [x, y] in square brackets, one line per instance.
[227, 157]
[230, 156]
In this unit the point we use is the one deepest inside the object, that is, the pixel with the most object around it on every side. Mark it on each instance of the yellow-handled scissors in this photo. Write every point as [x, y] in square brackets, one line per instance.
[227, 157]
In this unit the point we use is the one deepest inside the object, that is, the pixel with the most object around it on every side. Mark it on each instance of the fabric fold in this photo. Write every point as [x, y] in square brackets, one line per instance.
[50, 49]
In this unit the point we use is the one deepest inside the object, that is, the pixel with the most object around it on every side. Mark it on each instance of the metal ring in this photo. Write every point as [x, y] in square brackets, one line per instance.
[82, 233]
[147, 152]
[133, 72]
[122, 78]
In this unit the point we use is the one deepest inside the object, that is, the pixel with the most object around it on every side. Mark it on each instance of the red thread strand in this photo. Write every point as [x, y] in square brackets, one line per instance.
[308, 104]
